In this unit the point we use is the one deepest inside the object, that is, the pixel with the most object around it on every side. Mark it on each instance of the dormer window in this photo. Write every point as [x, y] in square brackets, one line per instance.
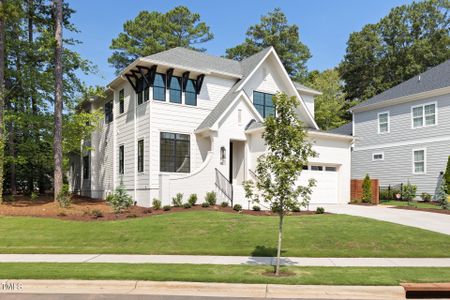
[159, 87]
[263, 104]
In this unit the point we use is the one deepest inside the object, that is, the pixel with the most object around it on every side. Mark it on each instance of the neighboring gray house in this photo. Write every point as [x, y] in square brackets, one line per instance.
[404, 133]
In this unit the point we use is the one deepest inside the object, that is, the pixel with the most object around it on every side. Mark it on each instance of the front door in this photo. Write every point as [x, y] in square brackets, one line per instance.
[237, 160]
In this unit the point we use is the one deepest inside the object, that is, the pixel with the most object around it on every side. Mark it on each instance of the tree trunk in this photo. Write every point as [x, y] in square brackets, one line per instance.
[2, 96]
[57, 144]
[280, 237]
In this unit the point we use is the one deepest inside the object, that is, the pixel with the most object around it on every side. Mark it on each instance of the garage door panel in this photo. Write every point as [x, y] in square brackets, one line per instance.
[326, 189]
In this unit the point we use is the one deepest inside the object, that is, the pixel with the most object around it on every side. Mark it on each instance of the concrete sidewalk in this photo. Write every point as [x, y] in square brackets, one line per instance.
[227, 260]
[206, 289]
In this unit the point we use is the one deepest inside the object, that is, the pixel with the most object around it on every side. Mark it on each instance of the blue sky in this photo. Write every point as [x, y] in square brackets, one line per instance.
[324, 24]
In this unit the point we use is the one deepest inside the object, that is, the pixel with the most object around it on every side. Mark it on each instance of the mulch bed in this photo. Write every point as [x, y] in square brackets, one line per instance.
[87, 209]
[433, 210]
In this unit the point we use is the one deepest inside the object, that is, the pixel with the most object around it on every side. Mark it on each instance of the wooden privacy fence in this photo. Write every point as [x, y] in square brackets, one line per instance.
[357, 190]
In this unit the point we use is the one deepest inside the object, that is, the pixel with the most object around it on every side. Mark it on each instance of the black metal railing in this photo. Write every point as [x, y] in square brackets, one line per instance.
[224, 185]
[391, 192]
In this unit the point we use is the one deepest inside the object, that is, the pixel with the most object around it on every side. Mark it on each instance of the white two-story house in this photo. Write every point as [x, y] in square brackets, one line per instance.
[403, 134]
[182, 121]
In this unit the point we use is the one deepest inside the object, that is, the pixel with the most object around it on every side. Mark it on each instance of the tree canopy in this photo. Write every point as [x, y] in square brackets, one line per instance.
[151, 32]
[274, 30]
[406, 42]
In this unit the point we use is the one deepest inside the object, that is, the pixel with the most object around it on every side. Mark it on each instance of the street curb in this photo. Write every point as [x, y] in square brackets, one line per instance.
[131, 287]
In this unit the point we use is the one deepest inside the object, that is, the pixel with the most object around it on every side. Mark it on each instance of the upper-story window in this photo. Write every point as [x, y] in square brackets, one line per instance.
[424, 115]
[175, 89]
[383, 122]
[109, 112]
[121, 101]
[190, 93]
[159, 87]
[263, 104]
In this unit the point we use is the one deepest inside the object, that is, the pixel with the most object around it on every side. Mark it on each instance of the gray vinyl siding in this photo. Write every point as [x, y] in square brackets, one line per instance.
[366, 123]
[398, 144]
[397, 166]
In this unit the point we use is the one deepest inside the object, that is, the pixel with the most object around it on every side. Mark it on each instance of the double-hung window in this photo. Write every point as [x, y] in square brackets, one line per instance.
[419, 161]
[175, 89]
[424, 115]
[86, 168]
[383, 122]
[122, 159]
[141, 156]
[263, 104]
[190, 93]
[108, 112]
[174, 152]
[159, 87]
[121, 101]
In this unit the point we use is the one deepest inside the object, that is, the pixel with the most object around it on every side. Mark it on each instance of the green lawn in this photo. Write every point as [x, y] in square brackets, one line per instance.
[215, 273]
[217, 233]
[417, 204]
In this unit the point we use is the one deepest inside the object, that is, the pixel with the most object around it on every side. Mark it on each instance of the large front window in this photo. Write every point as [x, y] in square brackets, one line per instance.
[263, 104]
[175, 152]
[424, 115]
[159, 87]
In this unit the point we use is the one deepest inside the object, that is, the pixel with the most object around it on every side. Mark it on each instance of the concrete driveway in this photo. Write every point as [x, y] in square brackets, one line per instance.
[424, 220]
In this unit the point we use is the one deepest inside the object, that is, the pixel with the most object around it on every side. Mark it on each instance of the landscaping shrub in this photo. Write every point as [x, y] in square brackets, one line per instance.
[237, 207]
[177, 201]
[96, 213]
[120, 199]
[296, 208]
[256, 208]
[274, 209]
[425, 197]
[447, 176]
[64, 197]
[409, 191]
[187, 205]
[441, 195]
[156, 204]
[192, 199]
[320, 210]
[34, 196]
[205, 204]
[166, 207]
[366, 190]
[389, 194]
[211, 198]
[224, 204]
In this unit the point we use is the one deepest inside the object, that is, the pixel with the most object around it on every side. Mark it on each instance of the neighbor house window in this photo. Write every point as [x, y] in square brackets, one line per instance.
[175, 90]
[175, 152]
[330, 169]
[377, 156]
[159, 87]
[424, 115]
[86, 170]
[121, 159]
[109, 112]
[419, 161]
[190, 93]
[263, 104]
[383, 122]
[141, 156]
[121, 101]
[316, 168]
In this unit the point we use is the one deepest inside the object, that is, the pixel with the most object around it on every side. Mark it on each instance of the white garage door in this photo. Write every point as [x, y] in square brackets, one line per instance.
[326, 189]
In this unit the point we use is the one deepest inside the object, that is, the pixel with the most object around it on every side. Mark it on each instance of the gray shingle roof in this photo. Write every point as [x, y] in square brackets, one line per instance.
[346, 129]
[300, 86]
[435, 78]
[197, 60]
[253, 124]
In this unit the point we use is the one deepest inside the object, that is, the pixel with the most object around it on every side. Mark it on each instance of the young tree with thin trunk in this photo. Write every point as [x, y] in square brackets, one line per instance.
[57, 144]
[2, 92]
[277, 171]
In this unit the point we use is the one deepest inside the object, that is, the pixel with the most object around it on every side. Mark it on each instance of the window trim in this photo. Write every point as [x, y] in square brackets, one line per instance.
[121, 163]
[424, 116]
[388, 122]
[140, 164]
[378, 153]
[424, 161]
